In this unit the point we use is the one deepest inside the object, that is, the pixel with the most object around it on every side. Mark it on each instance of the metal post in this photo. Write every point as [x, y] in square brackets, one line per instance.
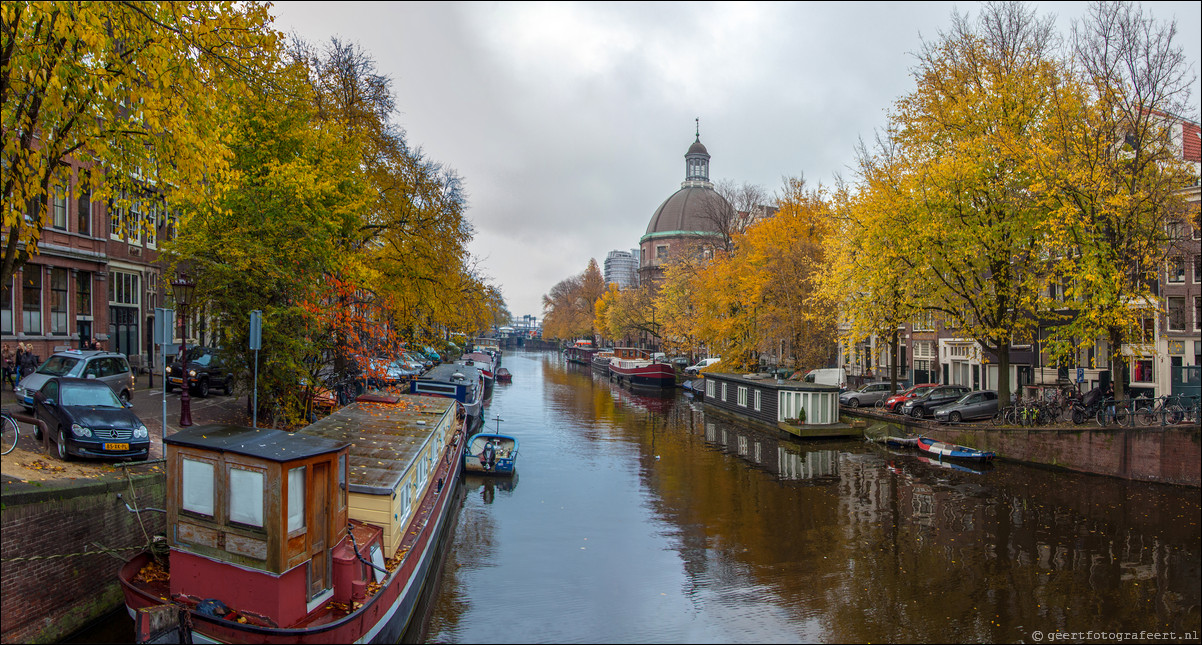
[256, 343]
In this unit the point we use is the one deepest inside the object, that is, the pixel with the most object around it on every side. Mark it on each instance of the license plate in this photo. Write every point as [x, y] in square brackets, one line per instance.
[116, 446]
[177, 381]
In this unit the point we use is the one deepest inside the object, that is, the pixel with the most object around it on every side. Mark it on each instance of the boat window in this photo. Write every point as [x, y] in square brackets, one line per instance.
[404, 503]
[246, 496]
[197, 483]
[296, 499]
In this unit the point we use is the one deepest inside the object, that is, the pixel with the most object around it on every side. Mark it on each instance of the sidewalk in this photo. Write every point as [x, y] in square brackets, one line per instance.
[148, 405]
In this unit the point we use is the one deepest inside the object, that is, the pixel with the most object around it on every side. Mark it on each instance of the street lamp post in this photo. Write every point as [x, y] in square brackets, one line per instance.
[183, 289]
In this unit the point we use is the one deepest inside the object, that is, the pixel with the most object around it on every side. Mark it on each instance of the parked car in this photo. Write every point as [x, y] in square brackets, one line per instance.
[86, 419]
[702, 364]
[205, 371]
[827, 376]
[925, 404]
[865, 396]
[109, 368]
[981, 404]
[894, 403]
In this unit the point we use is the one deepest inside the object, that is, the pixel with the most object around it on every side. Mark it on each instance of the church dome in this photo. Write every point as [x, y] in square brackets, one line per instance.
[691, 209]
[697, 148]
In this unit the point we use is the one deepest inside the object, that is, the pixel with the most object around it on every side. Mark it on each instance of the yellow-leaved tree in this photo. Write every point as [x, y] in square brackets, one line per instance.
[138, 89]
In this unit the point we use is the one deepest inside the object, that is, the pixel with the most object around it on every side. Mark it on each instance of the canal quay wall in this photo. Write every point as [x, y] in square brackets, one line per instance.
[1169, 455]
[55, 578]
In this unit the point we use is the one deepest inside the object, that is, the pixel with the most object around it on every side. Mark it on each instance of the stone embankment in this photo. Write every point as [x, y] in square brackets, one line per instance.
[1170, 454]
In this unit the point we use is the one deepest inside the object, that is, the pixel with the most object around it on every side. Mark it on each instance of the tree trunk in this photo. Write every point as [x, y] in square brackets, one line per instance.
[1118, 366]
[894, 347]
[1003, 365]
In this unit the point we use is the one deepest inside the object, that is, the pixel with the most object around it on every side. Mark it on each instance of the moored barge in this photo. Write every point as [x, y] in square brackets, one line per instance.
[326, 535]
[637, 367]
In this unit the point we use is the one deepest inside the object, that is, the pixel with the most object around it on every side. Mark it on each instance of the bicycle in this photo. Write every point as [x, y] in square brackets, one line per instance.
[1165, 407]
[1111, 412]
[10, 432]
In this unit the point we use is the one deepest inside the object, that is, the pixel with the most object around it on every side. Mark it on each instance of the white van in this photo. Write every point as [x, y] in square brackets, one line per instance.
[828, 376]
[694, 369]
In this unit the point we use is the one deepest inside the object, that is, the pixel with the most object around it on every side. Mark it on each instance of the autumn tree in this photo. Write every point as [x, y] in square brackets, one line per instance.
[627, 314]
[1113, 173]
[963, 216]
[139, 88]
[730, 216]
[569, 309]
[781, 261]
[271, 241]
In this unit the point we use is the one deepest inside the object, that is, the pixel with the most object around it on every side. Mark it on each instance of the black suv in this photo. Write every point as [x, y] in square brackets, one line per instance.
[924, 406]
[205, 371]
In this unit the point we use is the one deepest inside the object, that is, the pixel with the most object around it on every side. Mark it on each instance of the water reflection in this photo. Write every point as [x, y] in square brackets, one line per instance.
[645, 520]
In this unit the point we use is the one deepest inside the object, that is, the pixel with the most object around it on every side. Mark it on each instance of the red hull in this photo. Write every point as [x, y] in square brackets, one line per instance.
[383, 617]
[655, 374]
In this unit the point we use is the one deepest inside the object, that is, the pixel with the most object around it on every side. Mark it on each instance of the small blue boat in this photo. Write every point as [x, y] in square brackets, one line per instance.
[941, 450]
[491, 453]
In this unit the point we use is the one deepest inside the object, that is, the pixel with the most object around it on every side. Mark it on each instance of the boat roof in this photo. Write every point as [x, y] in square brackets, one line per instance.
[445, 371]
[264, 443]
[766, 381]
[385, 435]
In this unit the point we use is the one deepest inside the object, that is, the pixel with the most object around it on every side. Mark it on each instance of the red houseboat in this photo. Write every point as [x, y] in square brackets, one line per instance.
[325, 535]
[580, 353]
[637, 367]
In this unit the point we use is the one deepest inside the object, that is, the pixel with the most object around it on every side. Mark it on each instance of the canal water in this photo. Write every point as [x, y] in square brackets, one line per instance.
[637, 517]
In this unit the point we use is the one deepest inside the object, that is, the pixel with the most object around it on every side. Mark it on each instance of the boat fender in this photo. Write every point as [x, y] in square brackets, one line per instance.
[212, 607]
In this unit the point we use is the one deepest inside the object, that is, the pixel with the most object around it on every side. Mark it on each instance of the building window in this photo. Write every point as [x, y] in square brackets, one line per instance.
[1148, 328]
[661, 252]
[1177, 310]
[1141, 370]
[1197, 313]
[1197, 269]
[83, 293]
[296, 499]
[197, 483]
[123, 288]
[6, 309]
[31, 300]
[58, 301]
[58, 211]
[83, 206]
[1176, 270]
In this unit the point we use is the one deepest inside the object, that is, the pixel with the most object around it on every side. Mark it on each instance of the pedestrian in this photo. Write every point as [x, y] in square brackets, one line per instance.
[26, 360]
[10, 367]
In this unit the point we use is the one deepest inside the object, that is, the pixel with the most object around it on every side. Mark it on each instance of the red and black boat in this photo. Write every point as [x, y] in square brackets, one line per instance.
[638, 367]
[326, 535]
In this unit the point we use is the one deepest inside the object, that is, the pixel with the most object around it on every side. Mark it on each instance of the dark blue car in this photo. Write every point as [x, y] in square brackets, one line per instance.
[85, 419]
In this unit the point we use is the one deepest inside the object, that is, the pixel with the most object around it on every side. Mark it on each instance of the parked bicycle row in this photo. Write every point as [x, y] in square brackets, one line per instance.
[958, 404]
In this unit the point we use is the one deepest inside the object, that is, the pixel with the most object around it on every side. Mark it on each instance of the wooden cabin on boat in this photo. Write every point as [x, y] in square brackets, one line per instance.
[255, 515]
[395, 443]
[805, 410]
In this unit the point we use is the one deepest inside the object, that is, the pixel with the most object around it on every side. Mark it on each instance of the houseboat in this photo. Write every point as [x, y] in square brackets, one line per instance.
[637, 367]
[490, 346]
[325, 535]
[482, 362]
[581, 352]
[601, 360]
[805, 410]
[463, 383]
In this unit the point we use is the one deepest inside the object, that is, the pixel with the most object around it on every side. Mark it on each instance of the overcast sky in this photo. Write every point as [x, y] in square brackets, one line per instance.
[569, 122]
